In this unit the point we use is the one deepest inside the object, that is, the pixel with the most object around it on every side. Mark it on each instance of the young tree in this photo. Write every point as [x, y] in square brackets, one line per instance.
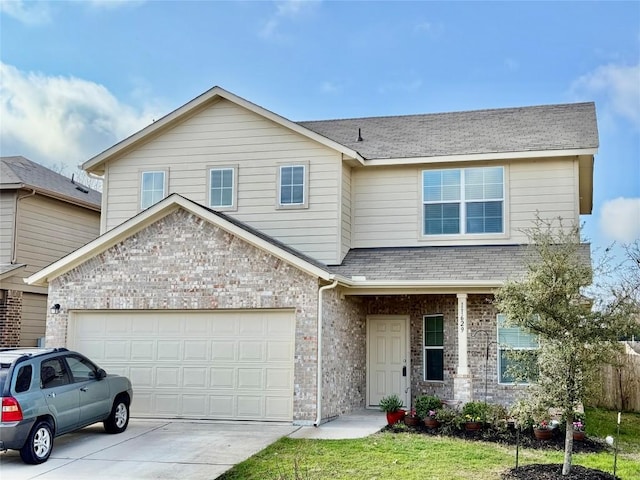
[576, 334]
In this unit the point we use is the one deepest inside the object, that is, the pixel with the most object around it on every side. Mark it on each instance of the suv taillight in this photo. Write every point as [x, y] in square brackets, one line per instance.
[11, 411]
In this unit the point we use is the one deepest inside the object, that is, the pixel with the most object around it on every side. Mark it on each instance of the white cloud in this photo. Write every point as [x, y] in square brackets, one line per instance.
[286, 10]
[620, 84]
[112, 4]
[620, 219]
[29, 13]
[58, 120]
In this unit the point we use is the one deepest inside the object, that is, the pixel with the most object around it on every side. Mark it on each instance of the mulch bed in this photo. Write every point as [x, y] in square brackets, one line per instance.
[554, 472]
[527, 440]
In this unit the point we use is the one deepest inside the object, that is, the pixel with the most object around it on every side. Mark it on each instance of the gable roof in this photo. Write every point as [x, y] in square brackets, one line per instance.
[162, 209]
[19, 172]
[504, 130]
[96, 164]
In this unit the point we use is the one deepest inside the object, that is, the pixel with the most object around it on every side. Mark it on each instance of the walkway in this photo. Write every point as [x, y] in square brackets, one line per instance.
[359, 424]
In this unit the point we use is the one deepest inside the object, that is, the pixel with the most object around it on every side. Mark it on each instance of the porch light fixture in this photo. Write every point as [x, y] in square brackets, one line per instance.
[55, 309]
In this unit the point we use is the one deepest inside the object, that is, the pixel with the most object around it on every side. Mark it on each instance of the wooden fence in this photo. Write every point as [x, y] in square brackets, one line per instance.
[620, 383]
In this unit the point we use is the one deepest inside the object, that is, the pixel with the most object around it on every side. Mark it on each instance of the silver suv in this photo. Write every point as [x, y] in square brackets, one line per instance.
[49, 392]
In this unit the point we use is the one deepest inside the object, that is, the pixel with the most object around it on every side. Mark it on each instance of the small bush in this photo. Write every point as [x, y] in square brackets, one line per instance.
[427, 403]
[392, 403]
[475, 411]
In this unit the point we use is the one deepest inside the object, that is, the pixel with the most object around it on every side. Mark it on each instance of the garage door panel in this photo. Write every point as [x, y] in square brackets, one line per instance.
[222, 378]
[117, 350]
[218, 364]
[249, 406]
[196, 350]
[141, 377]
[250, 351]
[223, 351]
[221, 406]
[142, 350]
[279, 351]
[195, 377]
[195, 406]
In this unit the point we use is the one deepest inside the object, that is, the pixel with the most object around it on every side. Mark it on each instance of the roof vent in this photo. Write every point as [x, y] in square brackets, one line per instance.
[83, 190]
[359, 136]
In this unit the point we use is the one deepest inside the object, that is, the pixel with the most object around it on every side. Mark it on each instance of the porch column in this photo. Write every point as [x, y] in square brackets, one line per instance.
[462, 378]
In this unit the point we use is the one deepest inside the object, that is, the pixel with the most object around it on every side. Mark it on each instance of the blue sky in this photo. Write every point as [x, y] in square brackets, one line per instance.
[76, 77]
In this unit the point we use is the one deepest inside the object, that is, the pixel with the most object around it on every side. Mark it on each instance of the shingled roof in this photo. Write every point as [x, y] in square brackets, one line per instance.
[19, 172]
[505, 130]
[446, 264]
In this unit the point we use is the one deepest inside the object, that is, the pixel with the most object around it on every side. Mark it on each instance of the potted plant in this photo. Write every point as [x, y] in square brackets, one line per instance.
[474, 414]
[542, 430]
[427, 407]
[578, 426]
[392, 405]
[411, 418]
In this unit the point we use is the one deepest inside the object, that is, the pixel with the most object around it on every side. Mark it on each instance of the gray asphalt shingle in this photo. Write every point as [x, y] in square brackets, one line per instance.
[524, 129]
[17, 171]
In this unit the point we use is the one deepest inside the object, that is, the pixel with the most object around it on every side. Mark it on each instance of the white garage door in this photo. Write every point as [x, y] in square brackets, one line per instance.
[215, 365]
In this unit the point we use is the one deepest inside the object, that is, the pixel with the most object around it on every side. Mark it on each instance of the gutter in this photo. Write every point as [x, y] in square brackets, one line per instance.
[319, 355]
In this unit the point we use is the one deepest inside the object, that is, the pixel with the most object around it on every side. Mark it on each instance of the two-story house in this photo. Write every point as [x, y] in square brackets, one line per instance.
[43, 217]
[252, 267]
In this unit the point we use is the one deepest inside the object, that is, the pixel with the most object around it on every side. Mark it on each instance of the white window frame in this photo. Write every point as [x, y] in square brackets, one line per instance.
[305, 186]
[462, 201]
[165, 174]
[501, 347]
[426, 347]
[234, 187]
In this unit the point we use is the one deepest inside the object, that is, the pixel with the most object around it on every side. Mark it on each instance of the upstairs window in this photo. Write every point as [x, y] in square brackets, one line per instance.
[152, 188]
[463, 201]
[222, 187]
[434, 347]
[292, 183]
[516, 349]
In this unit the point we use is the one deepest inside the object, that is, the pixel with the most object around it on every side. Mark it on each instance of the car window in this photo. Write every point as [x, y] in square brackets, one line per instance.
[23, 380]
[81, 368]
[4, 369]
[53, 373]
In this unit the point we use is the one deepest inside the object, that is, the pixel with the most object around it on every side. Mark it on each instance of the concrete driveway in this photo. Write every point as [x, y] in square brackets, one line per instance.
[149, 449]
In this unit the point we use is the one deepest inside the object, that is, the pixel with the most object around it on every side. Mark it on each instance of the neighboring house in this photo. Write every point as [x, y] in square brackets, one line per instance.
[251, 267]
[43, 217]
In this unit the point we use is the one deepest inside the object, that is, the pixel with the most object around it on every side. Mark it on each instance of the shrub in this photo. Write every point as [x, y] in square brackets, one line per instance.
[426, 403]
[392, 403]
[475, 411]
[450, 420]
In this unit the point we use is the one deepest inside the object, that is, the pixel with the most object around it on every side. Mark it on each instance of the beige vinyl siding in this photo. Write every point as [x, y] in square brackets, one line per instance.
[7, 208]
[226, 134]
[385, 206]
[549, 186]
[34, 314]
[388, 202]
[49, 229]
[345, 213]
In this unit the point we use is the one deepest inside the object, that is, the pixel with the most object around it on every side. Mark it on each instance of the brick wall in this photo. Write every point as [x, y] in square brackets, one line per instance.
[11, 319]
[344, 354]
[481, 320]
[184, 262]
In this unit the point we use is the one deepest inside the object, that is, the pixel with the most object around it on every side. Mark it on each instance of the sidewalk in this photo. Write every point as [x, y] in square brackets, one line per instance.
[361, 423]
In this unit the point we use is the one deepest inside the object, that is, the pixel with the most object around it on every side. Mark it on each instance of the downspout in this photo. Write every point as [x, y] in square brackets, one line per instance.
[14, 247]
[319, 349]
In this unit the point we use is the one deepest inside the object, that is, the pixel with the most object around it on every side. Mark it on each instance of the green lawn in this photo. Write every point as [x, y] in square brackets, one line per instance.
[401, 456]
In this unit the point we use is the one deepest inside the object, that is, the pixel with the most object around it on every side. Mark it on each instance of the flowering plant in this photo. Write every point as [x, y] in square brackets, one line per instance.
[543, 425]
[432, 413]
[578, 426]
[412, 413]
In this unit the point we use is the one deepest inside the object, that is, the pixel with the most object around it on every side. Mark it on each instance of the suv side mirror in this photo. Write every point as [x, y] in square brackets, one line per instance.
[100, 374]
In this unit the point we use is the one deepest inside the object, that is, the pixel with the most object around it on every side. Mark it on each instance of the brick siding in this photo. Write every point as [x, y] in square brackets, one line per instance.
[11, 319]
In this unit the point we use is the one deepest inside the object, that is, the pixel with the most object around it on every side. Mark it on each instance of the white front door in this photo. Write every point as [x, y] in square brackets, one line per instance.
[387, 353]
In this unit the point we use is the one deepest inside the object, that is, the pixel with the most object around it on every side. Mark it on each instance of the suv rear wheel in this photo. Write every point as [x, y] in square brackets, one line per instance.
[39, 444]
[119, 417]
